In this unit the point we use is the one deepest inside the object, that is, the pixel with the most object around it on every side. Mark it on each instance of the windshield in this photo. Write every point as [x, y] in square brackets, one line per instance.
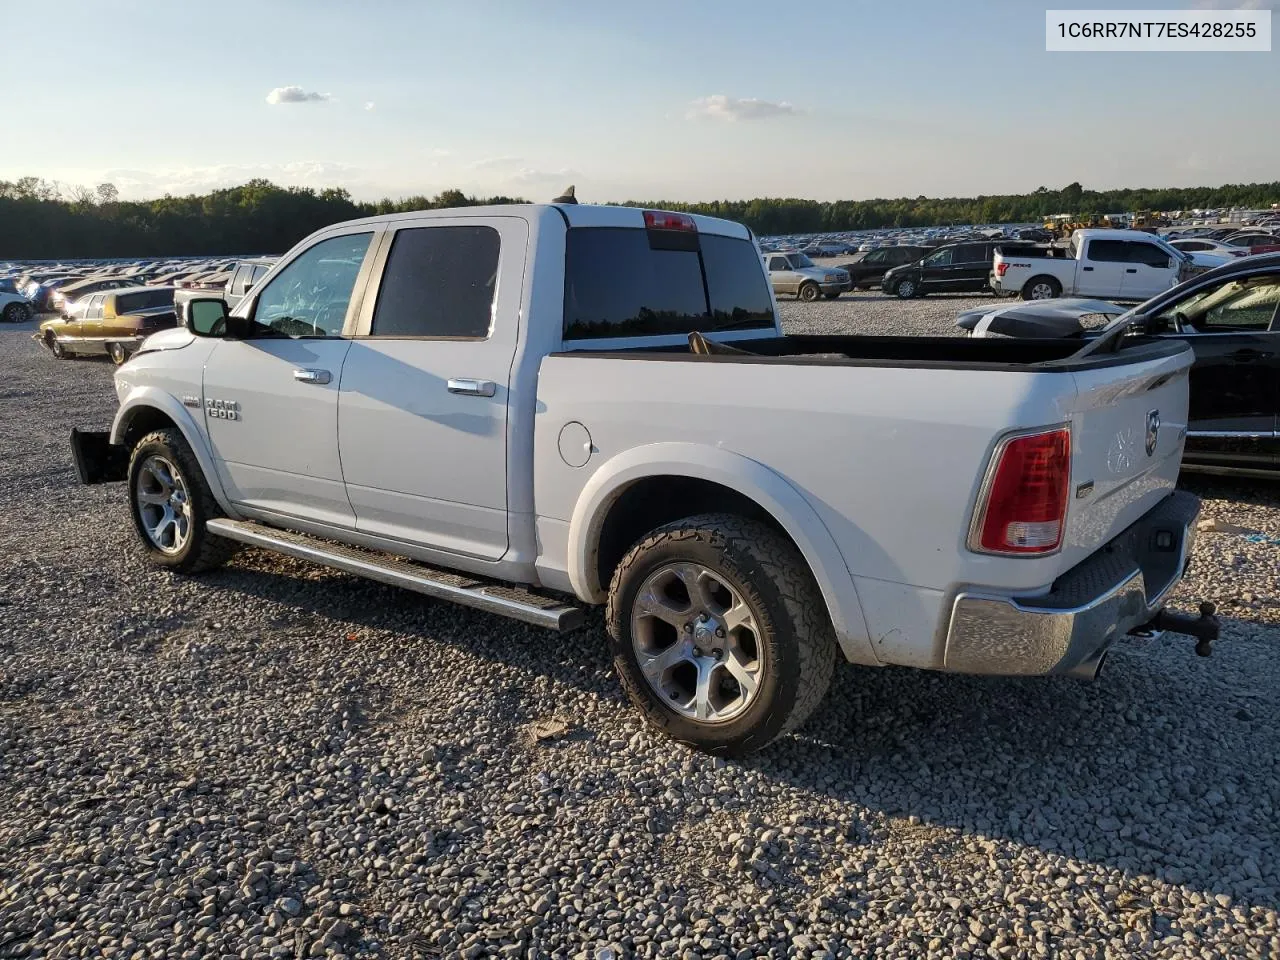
[800, 261]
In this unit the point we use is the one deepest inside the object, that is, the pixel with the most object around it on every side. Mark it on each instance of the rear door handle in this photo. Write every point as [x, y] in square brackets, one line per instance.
[1088, 269]
[312, 376]
[1131, 270]
[472, 388]
[1248, 355]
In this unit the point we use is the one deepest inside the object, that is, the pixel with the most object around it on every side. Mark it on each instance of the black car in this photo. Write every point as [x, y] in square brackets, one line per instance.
[1231, 317]
[951, 268]
[869, 269]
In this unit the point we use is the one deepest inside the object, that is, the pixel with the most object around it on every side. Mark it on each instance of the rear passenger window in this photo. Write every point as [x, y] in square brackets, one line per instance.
[439, 282]
[1108, 251]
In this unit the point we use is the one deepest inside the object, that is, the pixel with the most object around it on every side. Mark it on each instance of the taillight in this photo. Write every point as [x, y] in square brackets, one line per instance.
[1024, 507]
[662, 220]
[1001, 268]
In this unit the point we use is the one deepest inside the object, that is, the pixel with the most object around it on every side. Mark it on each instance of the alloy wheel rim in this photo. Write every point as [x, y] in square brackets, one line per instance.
[164, 505]
[697, 642]
[1041, 291]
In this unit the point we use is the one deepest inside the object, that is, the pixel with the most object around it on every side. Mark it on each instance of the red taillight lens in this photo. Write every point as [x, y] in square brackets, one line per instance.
[1001, 268]
[1025, 507]
[661, 220]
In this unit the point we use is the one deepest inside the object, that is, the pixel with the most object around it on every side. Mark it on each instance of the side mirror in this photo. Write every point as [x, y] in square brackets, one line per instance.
[205, 317]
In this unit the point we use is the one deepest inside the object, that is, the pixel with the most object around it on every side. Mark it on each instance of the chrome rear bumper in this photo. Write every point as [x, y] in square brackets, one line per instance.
[1069, 629]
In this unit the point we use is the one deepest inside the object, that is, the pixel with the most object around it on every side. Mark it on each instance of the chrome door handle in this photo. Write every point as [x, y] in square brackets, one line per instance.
[472, 388]
[312, 376]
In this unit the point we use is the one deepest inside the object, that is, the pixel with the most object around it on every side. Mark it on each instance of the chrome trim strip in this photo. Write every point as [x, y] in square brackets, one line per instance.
[555, 618]
[1249, 434]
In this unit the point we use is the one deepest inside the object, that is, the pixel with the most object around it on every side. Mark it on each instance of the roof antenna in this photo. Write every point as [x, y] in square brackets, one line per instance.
[567, 196]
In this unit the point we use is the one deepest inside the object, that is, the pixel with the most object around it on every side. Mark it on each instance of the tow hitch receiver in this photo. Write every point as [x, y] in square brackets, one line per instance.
[1205, 628]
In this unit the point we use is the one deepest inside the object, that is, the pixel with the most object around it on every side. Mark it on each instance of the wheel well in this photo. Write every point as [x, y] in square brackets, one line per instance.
[1042, 276]
[649, 503]
[142, 421]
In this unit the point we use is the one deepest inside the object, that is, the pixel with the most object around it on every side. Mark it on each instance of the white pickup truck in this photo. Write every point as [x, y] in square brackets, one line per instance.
[516, 408]
[1107, 264]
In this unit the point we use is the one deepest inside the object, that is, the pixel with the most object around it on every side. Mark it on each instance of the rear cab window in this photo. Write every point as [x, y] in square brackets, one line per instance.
[631, 282]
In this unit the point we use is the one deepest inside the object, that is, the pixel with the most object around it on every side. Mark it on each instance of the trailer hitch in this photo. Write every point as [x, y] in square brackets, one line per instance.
[1205, 628]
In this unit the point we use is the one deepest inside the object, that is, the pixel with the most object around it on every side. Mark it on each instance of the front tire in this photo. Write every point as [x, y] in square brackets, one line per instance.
[55, 347]
[17, 313]
[117, 353]
[906, 289]
[719, 633]
[170, 502]
[809, 292]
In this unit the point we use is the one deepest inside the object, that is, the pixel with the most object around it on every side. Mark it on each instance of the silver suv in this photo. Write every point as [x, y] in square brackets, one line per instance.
[796, 274]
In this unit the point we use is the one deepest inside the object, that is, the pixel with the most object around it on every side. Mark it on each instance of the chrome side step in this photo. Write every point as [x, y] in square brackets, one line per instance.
[488, 595]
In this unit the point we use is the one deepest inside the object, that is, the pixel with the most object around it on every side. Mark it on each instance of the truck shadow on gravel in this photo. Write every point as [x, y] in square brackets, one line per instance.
[1159, 769]
[1164, 767]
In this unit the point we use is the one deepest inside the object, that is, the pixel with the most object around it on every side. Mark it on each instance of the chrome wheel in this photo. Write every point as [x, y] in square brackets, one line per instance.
[697, 643]
[116, 352]
[164, 505]
[1042, 291]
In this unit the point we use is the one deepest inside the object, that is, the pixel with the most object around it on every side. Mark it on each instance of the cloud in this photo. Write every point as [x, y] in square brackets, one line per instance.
[180, 181]
[295, 95]
[533, 177]
[496, 163]
[368, 104]
[1235, 5]
[720, 107]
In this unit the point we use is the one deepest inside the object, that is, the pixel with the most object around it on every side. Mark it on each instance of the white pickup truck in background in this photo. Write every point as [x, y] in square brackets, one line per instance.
[516, 408]
[1106, 264]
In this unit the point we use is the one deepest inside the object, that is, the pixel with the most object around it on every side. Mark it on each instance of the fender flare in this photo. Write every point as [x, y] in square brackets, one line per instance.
[139, 398]
[748, 477]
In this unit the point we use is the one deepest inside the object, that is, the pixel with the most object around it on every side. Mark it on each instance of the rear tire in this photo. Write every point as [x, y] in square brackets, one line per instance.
[809, 292]
[780, 635]
[1041, 288]
[170, 502]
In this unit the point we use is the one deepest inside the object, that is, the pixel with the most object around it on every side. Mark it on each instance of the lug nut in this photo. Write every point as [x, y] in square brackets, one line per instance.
[688, 628]
[717, 653]
[720, 632]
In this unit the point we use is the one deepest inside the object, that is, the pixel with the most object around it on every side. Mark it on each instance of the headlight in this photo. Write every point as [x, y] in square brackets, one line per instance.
[831, 278]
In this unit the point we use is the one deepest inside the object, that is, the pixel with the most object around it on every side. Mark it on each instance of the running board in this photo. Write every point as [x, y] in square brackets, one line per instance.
[488, 595]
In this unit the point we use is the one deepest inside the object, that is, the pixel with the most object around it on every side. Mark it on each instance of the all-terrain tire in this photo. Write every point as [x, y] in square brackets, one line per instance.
[771, 576]
[202, 550]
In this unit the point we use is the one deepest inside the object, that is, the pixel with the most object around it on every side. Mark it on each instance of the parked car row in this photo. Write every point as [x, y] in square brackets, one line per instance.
[43, 287]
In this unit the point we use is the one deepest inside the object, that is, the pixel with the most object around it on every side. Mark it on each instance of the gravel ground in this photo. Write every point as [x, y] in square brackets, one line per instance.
[872, 312]
[280, 761]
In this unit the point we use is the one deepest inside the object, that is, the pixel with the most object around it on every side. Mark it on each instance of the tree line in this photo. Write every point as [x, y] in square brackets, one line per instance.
[44, 220]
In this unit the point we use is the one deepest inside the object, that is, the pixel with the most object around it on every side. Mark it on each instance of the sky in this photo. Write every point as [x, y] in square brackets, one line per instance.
[648, 99]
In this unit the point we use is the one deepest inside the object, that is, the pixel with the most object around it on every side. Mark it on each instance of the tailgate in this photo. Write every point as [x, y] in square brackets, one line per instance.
[1128, 425]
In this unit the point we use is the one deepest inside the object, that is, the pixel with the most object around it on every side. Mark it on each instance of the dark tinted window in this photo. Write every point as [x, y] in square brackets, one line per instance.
[779, 263]
[1194, 245]
[876, 256]
[617, 285]
[143, 300]
[940, 258]
[969, 253]
[1108, 251]
[439, 282]
[1149, 254]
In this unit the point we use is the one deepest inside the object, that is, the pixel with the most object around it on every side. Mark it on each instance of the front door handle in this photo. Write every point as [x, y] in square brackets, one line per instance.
[1247, 355]
[312, 376]
[472, 388]
[1087, 269]
[1131, 270]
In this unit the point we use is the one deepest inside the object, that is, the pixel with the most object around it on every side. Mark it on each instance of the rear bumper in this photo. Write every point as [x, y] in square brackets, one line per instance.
[1070, 628]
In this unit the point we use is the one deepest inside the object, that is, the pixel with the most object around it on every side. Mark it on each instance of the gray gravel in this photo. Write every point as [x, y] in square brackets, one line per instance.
[873, 312]
[280, 761]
